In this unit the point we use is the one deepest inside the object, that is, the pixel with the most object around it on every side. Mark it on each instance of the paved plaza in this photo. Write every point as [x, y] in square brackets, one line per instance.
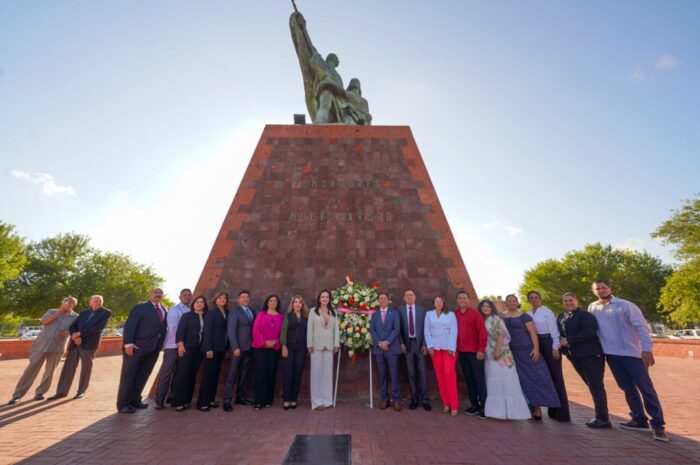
[89, 431]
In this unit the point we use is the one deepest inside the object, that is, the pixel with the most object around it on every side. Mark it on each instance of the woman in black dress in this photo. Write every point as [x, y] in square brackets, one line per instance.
[214, 349]
[189, 341]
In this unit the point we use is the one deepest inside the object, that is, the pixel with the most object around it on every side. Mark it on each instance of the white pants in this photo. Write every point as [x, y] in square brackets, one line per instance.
[321, 378]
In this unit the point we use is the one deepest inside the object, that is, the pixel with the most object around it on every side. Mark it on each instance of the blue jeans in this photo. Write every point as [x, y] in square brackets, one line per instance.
[632, 376]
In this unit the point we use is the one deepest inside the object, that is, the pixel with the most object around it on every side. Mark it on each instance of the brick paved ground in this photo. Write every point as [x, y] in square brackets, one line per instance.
[88, 431]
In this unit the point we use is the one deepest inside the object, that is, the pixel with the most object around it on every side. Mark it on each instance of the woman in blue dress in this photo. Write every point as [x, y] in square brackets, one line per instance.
[534, 376]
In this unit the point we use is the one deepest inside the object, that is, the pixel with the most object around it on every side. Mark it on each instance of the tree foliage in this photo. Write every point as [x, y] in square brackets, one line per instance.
[636, 276]
[67, 264]
[13, 255]
[680, 297]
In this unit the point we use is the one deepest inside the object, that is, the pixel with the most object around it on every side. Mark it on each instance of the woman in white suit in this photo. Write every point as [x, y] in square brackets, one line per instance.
[323, 340]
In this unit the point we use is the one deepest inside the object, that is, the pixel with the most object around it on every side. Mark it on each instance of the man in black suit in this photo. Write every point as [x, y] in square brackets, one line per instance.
[85, 334]
[414, 348]
[580, 343]
[240, 335]
[144, 333]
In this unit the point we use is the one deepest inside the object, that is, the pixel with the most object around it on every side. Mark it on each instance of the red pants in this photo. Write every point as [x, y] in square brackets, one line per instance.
[447, 377]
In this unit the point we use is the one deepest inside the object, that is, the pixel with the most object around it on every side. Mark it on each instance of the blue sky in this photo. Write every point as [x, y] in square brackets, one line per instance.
[544, 125]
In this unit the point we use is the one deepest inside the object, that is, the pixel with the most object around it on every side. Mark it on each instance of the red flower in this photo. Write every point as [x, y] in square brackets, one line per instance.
[353, 358]
[363, 306]
[375, 284]
[351, 301]
[342, 304]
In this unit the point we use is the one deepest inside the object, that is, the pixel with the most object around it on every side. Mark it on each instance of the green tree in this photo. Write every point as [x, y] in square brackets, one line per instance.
[13, 254]
[636, 276]
[680, 297]
[67, 265]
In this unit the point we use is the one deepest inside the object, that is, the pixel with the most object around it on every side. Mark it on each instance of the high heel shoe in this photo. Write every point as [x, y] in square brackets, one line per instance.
[446, 409]
[293, 405]
[257, 407]
[285, 406]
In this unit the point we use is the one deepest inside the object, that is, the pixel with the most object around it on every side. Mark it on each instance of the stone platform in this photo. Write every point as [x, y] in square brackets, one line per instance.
[90, 432]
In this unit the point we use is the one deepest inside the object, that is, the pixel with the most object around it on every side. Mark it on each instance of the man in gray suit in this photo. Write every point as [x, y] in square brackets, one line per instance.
[240, 334]
[48, 347]
[413, 346]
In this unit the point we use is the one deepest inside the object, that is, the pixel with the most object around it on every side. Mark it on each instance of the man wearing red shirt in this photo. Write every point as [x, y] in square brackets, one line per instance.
[471, 344]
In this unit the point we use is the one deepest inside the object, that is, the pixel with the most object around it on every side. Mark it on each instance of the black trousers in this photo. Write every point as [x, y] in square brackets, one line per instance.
[186, 377]
[238, 370]
[210, 378]
[266, 361]
[592, 371]
[555, 371]
[292, 369]
[474, 376]
[135, 372]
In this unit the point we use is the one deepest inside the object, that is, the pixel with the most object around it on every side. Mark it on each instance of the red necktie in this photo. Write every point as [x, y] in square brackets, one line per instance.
[411, 327]
[159, 312]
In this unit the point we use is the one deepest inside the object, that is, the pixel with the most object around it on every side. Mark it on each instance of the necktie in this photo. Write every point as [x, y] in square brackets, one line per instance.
[383, 315]
[92, 313]
[159, 312]
[247, 312]
[411, 325]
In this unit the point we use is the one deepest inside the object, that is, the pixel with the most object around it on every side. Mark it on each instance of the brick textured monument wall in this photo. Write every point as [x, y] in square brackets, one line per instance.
[319, 202]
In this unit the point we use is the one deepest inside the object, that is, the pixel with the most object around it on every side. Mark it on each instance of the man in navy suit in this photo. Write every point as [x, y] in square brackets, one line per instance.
[144, 333]
[413, 345]
[385, 326]
[85, 334]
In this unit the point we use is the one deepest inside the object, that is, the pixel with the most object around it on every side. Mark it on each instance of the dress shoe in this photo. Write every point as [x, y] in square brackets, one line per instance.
[293, 405]
[169, 400]
[634, 426]
[160, 406]
[244, 402]
[180, 408]
[383, 405]
[56, 396]
[213, 405]
[39, 397]
[79, 395]
[426, 406]
[139, 405]
[228, 407]
[397, 406]
[597, 423]
[204, 408]
[413, 405]
[13, 401]
[285, 406]
[471, 411]
[127, 409]
[480, 415]
[659, 434]
[257, 407]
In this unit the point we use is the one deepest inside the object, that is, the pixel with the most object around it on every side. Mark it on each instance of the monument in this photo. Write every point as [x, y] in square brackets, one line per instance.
[318, 202]
[339, 197]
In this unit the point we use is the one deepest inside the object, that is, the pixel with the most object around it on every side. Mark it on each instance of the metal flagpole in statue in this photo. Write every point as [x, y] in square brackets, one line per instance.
[337, 369]
[371, 391]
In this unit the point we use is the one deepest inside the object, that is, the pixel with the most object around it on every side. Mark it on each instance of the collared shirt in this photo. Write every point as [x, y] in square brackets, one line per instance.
[441, 332]
[472, 335]
[49, 339]
[622, 328]
[546, 323]
[174, 314]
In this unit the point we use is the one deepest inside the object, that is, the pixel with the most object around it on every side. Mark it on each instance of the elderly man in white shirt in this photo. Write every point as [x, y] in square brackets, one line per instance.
[548, 335]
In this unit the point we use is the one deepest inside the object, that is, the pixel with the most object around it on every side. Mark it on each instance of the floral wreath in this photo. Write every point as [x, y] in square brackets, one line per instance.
[355, 304]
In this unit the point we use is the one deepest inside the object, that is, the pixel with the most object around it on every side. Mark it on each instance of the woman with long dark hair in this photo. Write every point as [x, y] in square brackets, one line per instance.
[293, 341]
[266, 351]
[214, 350]
[323, 340]
[189, 342]
[441, 339]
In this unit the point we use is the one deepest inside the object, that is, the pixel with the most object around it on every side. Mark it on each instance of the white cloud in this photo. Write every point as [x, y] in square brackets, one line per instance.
[49, 186]
[667, 62]
[637, 75]
[498, 225]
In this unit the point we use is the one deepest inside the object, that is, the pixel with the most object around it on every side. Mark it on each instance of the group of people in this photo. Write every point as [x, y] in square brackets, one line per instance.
[193, 334]
[511, 361]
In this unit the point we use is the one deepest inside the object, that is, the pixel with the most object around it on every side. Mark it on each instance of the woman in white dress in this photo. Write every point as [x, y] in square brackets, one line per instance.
[322, 340]
[505, 399]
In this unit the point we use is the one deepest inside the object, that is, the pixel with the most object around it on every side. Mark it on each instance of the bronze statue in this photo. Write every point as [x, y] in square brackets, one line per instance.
[326, 99]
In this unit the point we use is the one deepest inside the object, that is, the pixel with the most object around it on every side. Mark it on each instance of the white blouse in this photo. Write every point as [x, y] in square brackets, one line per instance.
[440, 333]
[546, 323]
